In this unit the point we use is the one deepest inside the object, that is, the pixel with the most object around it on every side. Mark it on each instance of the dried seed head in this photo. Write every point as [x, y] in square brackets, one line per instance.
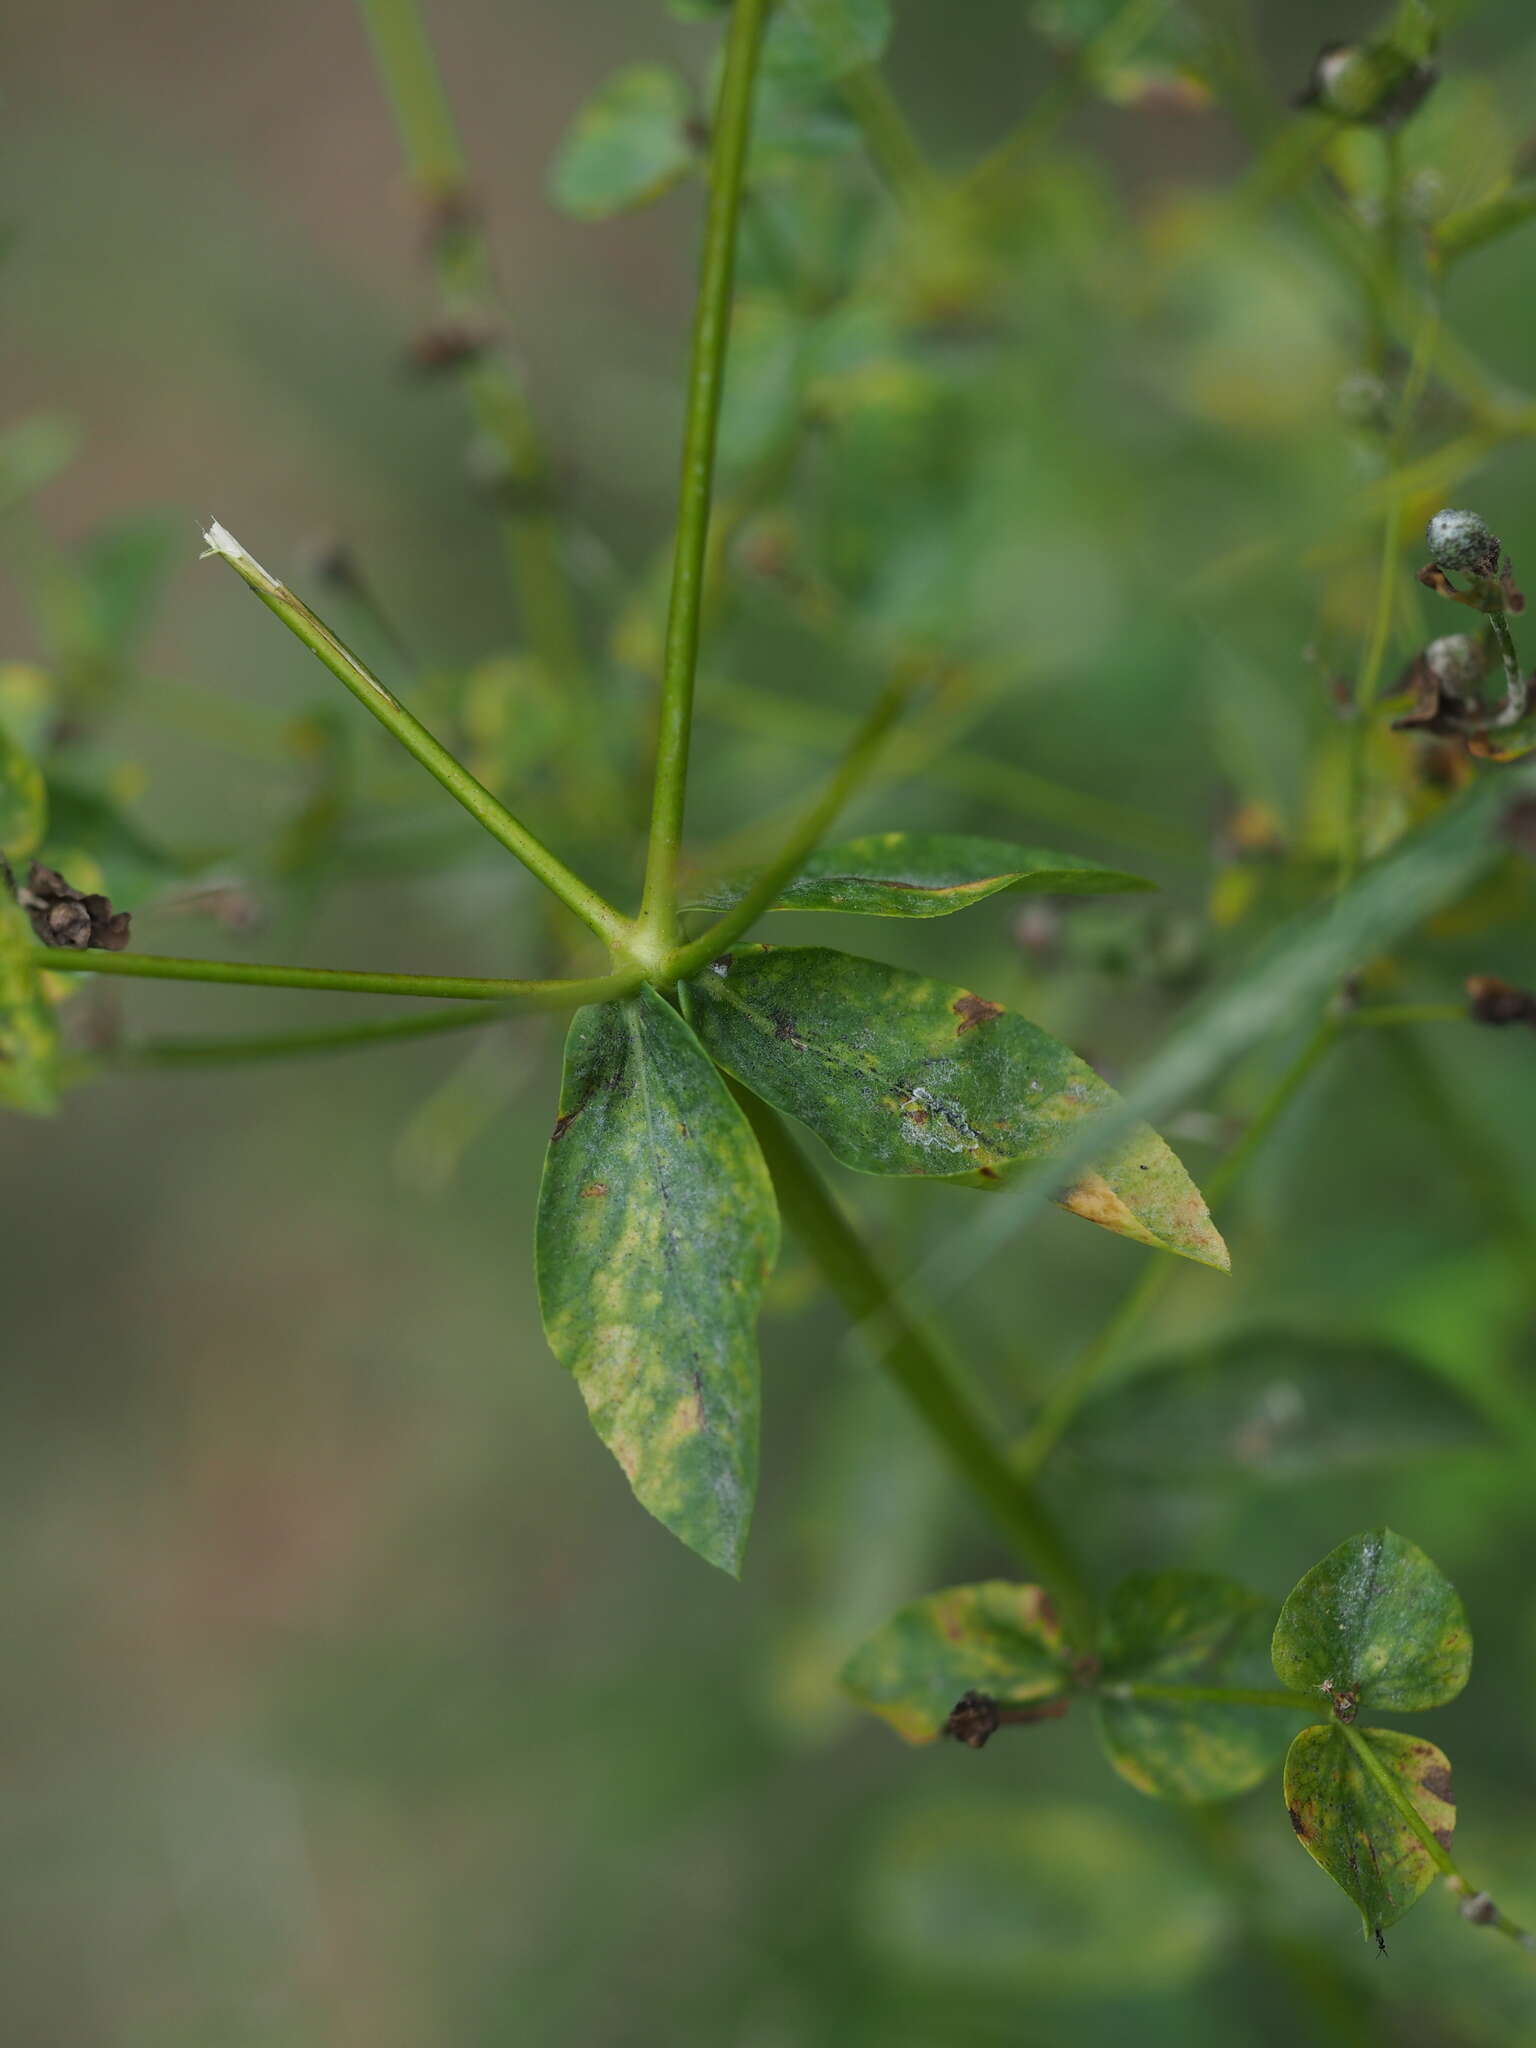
[1460, 540]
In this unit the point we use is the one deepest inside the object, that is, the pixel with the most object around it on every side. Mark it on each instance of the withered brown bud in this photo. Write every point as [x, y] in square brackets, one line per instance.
[61, 916]
[1490, 1001]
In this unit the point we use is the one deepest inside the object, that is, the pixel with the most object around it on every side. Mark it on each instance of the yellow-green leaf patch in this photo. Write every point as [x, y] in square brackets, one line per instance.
[925, 874]
[1375, 1624]
[657, 1230]
[29, 1038]
[898, 1074]
[993, 1638]
[626, 146]
[1166, 1637]
[1346, 1819]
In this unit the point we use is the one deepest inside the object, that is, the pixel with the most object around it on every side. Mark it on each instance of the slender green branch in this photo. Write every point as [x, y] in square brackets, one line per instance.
[1477, 1906]
[470, 299]
[285, 1045]
[486, 809]
[520, 995]
[1390, 1016]
[893, 148]
[706, 383]
[1061, 1405]
[1215, 1696]
[909, 1355]
[804, 839]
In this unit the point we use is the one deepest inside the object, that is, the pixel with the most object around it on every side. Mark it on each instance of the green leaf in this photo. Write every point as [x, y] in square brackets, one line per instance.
[1375, 1623]
[1277, 1405]
[29, 1038]
[629, 144]
[813, 40]
[901, 1075]
[656, 1234]
[1346, 1820]
[995, 1638]
[1186, 1629]
[925, 874]
[23, 801]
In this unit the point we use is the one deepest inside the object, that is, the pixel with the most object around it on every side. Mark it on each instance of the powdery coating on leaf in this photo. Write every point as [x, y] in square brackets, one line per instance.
[902, 1075]
[1196, 1629]
[1378, 1620]
[1346, 1822]
[925, 874]
[992, 1638]
[657, 1231]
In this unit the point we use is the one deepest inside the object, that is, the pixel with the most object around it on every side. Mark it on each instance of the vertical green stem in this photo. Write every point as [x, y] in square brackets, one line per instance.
[706, 382]
[913, 1361]
[492, 388]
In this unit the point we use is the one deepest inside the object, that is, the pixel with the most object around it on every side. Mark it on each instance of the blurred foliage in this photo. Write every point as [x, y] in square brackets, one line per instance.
[352, 1693]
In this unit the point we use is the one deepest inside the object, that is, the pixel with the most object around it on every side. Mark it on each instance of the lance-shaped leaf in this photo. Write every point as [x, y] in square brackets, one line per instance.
[925, 874]
[1274, 1404]
[657, 1231]
[23, 801]
[994, 1638]
[899, 1074]
[29, 1038]
[628, 144]
[1346, 1818]
[1167, 1636]
[1377, 1625]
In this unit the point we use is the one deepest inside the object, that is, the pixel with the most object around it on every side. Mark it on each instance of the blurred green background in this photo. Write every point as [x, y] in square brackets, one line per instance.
[349, 1698]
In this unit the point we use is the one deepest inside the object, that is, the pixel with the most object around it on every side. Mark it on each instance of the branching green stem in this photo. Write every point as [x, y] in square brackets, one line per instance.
[1214, 1696]
[914, 1362]
[1477, 1906]
[486, 809]
[286, 1045]
[706, 383]
[518, 995]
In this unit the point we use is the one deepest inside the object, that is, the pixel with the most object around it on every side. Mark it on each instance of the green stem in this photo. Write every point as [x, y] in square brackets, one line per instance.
[467, 283]
[706, 382]
[283, 1045]
[913, 1361]
[893, 148]
[1214, 1695]
[1391, 1788]
[1388, 1016]
[486, 809]
[521, 995]
[1061, 1405]
[803, 840]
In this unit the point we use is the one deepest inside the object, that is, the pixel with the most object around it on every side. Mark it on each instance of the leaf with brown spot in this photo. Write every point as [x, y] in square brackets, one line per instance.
[870, 1057]
[1347, 1821]
[925, 874]
[650, 1294]
[994, 1638]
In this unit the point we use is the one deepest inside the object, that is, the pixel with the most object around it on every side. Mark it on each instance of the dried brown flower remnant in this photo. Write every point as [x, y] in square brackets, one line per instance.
[1490, 1001]
[62, 916]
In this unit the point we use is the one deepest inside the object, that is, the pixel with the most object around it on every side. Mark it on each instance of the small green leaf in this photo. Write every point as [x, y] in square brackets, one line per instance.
[995, 1638]
[629, 144]
[925, 874]
[814, 40]
[1186, 1629]
[29, 1038]
[1346, 1820]
[1375, 1623]
[23, 801]
[1276, 1405]
[657, 1231]
[901, 1075]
